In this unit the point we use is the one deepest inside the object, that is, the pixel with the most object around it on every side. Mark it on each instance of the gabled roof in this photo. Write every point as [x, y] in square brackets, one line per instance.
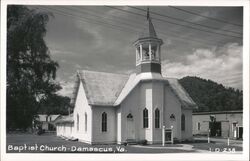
[64, 119]
[184, 98]
[53, 117]
[42, 117]
[133, 81]
[101, 88]
[109, 89]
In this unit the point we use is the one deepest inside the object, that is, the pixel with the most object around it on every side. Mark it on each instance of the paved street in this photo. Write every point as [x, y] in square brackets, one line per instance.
[49, 143]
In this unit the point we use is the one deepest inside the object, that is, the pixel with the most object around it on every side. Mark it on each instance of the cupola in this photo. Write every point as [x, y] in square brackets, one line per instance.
[148, 49]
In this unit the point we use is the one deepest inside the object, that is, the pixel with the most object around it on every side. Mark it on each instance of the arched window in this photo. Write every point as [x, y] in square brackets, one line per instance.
[86, 119]
[104, 122]
[77, 122]
[198, 126]
[183, 122]
[145, 118]
[157, 118]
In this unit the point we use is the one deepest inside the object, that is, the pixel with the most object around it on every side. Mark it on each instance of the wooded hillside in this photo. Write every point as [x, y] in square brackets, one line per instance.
[211, 96]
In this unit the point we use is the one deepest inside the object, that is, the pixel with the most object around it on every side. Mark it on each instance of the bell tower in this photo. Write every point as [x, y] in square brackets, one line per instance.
[148, 49]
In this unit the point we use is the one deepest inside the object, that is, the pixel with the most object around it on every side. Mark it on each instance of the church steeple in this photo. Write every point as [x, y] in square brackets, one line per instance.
[148, 30]
[148, 53]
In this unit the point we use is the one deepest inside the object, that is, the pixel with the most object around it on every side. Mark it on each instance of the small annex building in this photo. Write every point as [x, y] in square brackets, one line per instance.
[219, 124]
[114, 108]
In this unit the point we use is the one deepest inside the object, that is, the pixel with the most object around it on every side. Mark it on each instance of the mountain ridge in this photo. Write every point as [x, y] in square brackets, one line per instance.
[211, 96]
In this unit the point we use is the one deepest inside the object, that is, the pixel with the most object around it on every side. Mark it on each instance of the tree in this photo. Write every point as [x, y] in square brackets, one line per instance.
[55, 104]
[211, 96]
[31, 72]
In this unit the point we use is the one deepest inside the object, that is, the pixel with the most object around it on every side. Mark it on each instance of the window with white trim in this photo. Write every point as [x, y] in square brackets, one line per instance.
[145, 118]
[77, 122]
[183, 122]
[157, 118]
[86, 121]
[104, 122]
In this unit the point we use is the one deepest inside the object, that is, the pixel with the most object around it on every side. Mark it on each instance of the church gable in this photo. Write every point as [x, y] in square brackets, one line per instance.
[181, 94]
[100, 88]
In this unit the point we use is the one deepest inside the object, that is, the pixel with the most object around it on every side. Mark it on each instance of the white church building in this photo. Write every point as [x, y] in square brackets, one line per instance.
[114, 108]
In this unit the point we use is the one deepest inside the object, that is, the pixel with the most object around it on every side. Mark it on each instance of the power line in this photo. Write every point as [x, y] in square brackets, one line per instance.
[164, 33]
[116, 26]
[178, 19]
[215, 19]
[163, 20]
[86, 19]
[91, 14]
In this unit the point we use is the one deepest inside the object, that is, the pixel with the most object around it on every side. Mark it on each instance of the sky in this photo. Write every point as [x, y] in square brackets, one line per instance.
[198, 41]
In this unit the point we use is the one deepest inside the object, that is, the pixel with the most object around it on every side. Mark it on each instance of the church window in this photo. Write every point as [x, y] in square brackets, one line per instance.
[145, 118]
[198, 126]
[183, 122]
[157, 118]
[104, 122]
[77, 122]
[86, 119]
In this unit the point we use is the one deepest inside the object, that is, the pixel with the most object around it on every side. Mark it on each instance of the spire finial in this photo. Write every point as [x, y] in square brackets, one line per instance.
[147, 13]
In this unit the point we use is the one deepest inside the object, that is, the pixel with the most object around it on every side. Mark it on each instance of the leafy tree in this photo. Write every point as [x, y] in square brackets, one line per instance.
[30, 70]
[55, 104]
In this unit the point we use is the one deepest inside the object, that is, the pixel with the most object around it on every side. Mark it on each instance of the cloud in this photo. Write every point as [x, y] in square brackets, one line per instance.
[55, 52]
[223, 65]
[67, 89]
[67, 86]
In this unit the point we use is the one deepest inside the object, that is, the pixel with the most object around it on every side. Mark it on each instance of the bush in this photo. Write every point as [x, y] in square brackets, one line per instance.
[143, 142]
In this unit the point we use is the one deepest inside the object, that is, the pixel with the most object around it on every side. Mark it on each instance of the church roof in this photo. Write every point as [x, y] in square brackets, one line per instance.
[64, 119]
[184, 98]
[102, 88]
[109, 89]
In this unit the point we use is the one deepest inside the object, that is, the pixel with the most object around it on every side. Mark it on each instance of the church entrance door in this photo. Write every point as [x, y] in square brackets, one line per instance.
[130, 127]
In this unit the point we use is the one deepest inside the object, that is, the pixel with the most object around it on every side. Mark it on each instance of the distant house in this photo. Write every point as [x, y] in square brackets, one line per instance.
[47, 121]
[220, 123]
[64, 125]
[115, 108]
